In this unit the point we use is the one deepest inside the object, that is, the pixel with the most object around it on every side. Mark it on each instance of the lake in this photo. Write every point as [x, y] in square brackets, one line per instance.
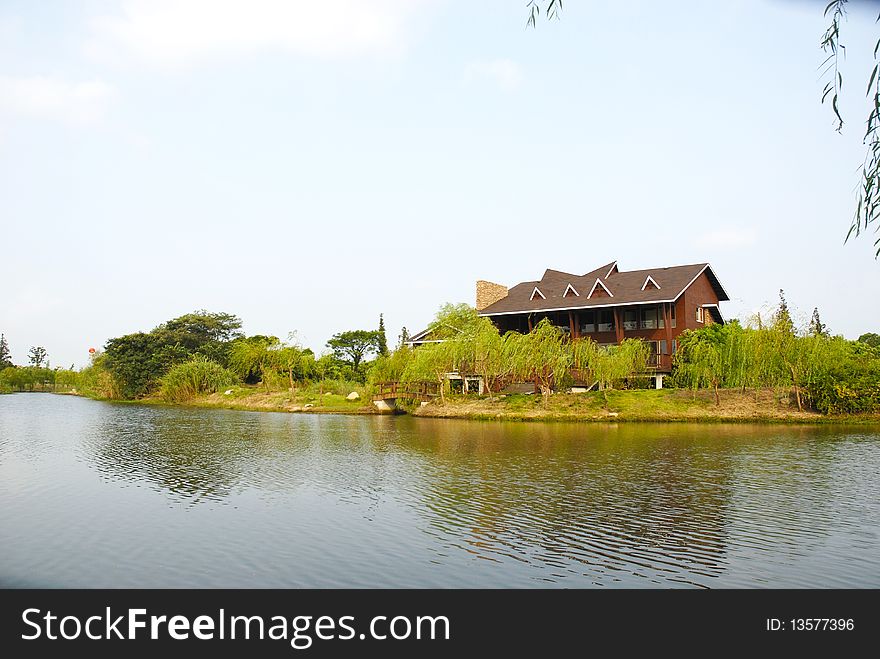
[95, 494]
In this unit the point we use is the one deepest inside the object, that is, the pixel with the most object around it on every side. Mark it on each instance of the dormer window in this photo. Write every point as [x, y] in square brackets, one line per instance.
[603, 289]
[701, 315]
[537, 293]
[650, 282]
[571, 291]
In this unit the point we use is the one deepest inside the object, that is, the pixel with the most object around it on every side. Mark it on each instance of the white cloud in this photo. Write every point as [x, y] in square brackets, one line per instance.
[184, 32]
[502, 72]
[727, 237]
[56, 99]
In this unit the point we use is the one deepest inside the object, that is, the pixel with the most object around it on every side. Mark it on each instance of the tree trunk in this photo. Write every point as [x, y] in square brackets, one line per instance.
[797, 391]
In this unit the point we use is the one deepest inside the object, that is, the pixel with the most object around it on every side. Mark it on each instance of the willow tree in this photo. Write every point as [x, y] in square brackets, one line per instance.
[700, 360]
[610, 364]
[479, 349]
[251, 358]
[543, 356]
[432, 361]
[390, 367]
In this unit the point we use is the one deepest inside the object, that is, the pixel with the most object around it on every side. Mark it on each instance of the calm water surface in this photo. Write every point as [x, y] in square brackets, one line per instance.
[97, 494]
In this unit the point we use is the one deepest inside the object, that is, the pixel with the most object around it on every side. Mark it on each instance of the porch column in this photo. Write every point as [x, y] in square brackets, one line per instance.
[529, 317]
[618, 325]
[571, 324]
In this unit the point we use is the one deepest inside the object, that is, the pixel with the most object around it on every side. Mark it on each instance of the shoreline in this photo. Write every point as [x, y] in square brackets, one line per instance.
[627, 406]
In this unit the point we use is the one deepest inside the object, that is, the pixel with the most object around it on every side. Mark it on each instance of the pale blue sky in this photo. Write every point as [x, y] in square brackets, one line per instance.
[309, 165]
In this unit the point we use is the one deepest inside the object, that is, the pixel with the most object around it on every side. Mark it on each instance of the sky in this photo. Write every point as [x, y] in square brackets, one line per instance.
[310, 165]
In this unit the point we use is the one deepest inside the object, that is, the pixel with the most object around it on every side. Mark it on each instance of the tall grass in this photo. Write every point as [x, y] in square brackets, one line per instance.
[189, 379]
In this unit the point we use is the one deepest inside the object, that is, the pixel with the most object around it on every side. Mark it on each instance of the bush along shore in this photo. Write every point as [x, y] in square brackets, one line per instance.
[767, 371]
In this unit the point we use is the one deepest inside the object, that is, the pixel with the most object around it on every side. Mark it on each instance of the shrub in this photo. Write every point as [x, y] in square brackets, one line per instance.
[199, 375]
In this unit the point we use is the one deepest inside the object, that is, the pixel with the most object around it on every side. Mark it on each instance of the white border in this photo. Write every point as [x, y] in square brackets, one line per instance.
[650, 279]
[538, 291]
[572, 289]
[599, 282]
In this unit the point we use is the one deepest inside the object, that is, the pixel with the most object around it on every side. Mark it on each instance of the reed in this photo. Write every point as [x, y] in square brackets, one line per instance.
[197, 376]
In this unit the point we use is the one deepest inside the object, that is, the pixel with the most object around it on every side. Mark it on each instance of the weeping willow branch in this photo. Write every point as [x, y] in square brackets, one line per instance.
[868, 200]
[550, 8]
[831, 44]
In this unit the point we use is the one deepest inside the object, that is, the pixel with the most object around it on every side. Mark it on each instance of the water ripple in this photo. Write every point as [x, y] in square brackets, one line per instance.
[94, 494]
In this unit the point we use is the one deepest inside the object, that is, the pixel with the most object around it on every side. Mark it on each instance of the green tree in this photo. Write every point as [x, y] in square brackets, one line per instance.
[5, 356]
[251, 357]
[389, 368]
[700, 359]
[37, 355]
[610, 364]
[135, 363]
[209, 334]
[352, 346]
[782, 318]
[452, 320]
[432, 361]
[817, 327]
[403, 338]
[871, 339]
[540, 356]
[382, 341]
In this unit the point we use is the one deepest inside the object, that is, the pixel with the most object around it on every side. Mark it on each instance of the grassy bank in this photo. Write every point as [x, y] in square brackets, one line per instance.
[257, 399]
[638, 405]
[767, 406]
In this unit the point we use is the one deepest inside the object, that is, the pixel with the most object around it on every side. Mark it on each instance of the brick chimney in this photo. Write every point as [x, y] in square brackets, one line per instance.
[489, 293]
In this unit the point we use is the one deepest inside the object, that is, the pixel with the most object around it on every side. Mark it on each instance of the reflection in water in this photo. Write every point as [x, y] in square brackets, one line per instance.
[98, 494]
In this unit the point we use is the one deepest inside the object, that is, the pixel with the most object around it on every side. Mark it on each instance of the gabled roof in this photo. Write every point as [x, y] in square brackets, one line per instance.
[625, 287]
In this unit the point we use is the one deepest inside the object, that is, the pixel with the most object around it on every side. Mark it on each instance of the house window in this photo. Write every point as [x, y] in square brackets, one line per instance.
[605, 321]
[672, 314]
[588, 322]
[630, 320]
[652, 318]
[700, 314]
[663, 347]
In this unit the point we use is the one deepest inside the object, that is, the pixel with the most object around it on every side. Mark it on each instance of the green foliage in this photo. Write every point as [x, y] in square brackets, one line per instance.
[868, 200]
[382, 340]
[817, 327]
[5, 356]
[387, 368]
[550, 9]
[352, 346]
[403, 338]
[541, 355]
[37, 355]
[850, 384]
[610, 364]
[199, 375]
[452, 320]
[782, 318]
[248, 357]
[871, 339]
[830, 374]
[138, 361]
[431, 361]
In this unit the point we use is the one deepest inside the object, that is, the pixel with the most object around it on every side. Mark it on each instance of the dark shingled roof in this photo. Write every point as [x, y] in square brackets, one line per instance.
[625, 288]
